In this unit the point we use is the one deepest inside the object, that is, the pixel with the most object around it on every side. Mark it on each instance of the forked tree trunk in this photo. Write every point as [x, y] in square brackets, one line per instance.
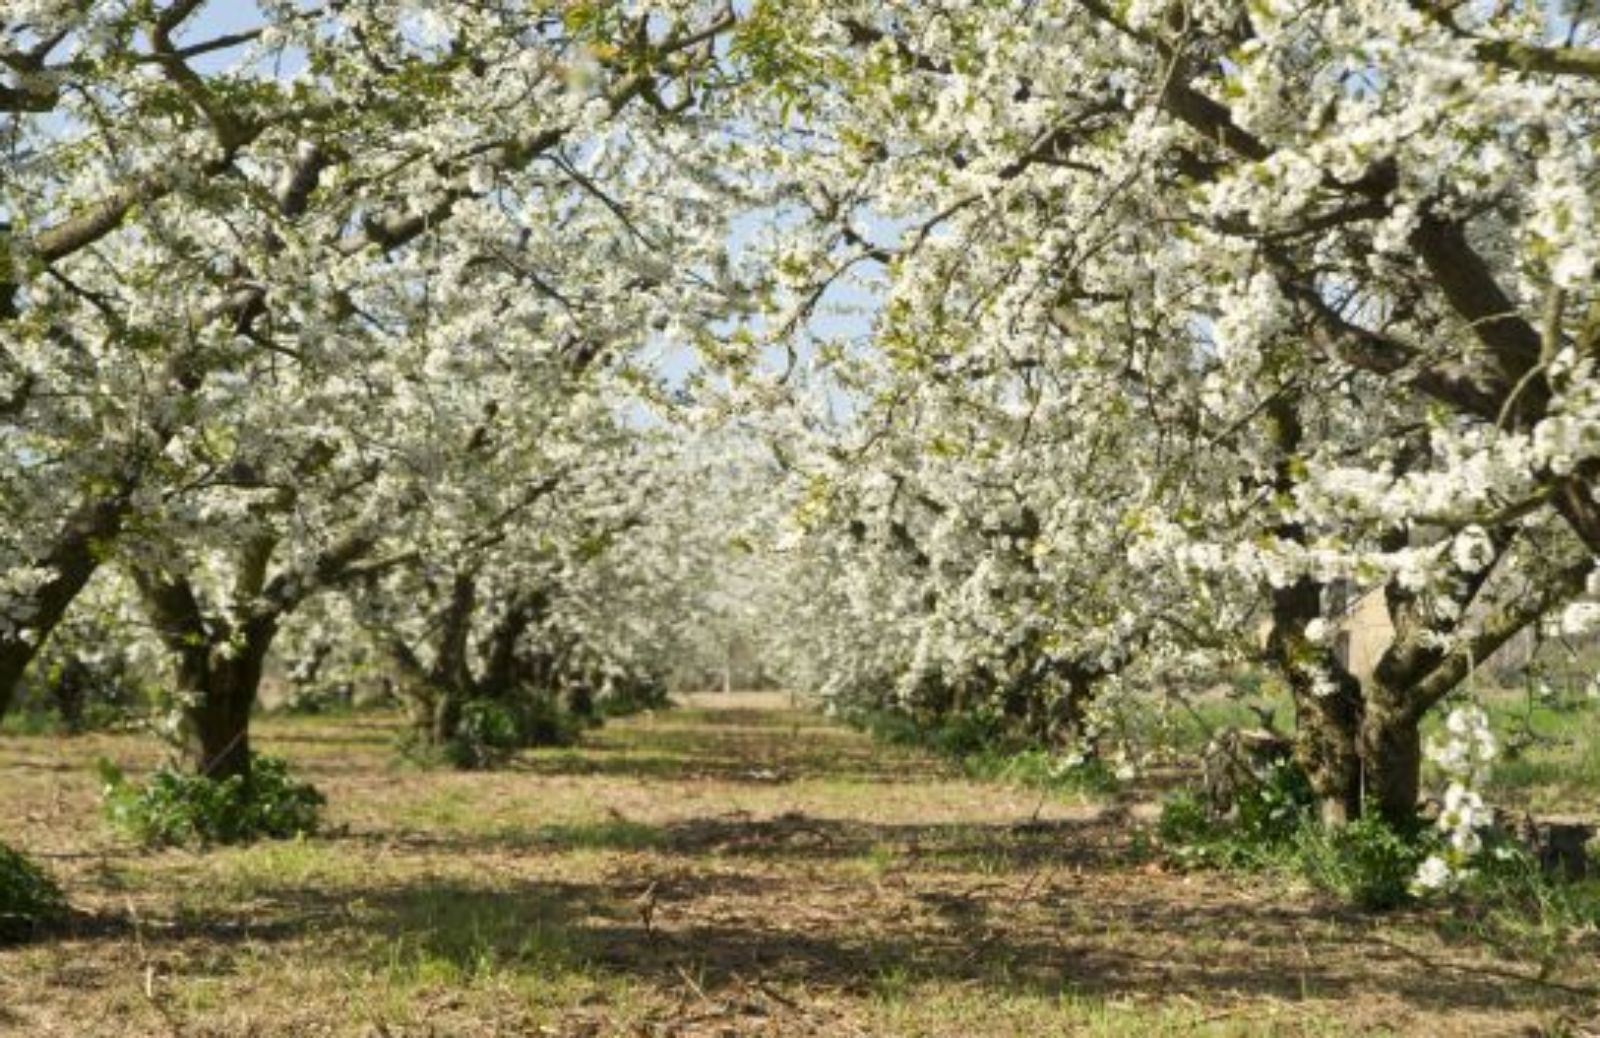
[438, 693]
[218, 666]
[500, 665]
[1415, 674]
[433, 718]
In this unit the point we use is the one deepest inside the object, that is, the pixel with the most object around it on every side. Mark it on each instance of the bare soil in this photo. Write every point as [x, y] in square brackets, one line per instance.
[736, 866]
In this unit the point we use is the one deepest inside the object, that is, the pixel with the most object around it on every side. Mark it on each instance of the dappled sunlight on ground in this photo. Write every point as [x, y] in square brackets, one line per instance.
[730, 867]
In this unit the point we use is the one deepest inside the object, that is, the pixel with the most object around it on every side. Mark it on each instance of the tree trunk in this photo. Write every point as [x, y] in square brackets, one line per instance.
[1070, 729]
[447, 703]
[1327, 696]
[955, 699]
[1391, 737]
[452, 668]
[1328, 703]
[1327, 747]
[580, 700]
[1018, 704]
[221, 724]
[1391, 750]
[500, 665]
[15, 655]
[70, 690]
[218, 671]
[222, 681]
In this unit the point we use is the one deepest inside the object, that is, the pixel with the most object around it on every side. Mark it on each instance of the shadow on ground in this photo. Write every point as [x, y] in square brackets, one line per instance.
[797, 839]
[679, 754]
[728, 931]
[715, 905]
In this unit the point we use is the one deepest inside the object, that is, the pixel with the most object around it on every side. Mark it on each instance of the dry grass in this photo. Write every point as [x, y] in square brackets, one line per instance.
[734, 867]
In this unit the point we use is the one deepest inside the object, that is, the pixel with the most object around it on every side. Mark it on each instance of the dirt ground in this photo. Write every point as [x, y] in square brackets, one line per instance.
[732, 867]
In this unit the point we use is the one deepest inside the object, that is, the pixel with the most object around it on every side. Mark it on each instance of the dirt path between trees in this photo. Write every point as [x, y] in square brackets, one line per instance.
[732, 867]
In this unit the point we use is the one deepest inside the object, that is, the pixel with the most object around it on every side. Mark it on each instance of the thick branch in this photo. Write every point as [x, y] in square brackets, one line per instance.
[1497, 628]
[180, 621]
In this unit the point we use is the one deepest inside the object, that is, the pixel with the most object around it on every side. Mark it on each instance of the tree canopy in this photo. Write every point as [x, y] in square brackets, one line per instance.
[1018, 361]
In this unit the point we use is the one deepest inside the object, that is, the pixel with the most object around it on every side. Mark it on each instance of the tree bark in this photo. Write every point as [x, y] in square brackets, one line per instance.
[414, 684]
[1391, 751]
[15, 655]
[580, 700]
[218, 680]
[438, 692]
[446, 715]
[218, 670]
[1327, 696]
[1069, 726]
[220, 716]
[1327, 746]
[500, 665]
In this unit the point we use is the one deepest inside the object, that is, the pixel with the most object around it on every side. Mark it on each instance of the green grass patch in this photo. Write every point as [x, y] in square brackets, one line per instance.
[29, 898]
[930, 1007]
[31, 723]
[271, 868]
[610, 835]
[1506, 900]
[984, 751]
[1550, 760]
[1273, 826]
[452, 934]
